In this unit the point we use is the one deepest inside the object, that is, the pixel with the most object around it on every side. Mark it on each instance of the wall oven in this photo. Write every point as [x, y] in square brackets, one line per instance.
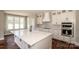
[67, 29]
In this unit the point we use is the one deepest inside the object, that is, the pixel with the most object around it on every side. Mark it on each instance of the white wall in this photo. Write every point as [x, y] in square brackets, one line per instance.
[77, 27]
[1, 25]
[31, 22]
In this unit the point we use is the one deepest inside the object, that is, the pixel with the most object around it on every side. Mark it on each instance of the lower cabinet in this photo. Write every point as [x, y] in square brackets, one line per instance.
[42, 44]
[21, 43]
[57, 44]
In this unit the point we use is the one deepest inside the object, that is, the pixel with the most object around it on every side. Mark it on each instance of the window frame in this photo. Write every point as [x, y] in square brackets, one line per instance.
[14, 22]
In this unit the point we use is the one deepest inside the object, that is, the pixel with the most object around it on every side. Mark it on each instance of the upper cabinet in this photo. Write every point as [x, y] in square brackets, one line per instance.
[39, 18]
[46, 17]
[59, 20]
[68, 16]
[56, 17]
[60, 16]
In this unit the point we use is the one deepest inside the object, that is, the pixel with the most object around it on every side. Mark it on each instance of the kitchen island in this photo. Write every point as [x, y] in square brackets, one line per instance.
[33, 40]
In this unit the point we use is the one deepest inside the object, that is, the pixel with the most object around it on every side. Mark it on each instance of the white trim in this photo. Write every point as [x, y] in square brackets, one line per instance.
[14, 22]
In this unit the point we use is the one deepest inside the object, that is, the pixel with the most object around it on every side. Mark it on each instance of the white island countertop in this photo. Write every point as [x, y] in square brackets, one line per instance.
[31, 37]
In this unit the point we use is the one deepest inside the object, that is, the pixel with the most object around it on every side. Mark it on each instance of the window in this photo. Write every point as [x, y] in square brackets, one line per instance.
[10, 22]
[22, 25]
[15, 22]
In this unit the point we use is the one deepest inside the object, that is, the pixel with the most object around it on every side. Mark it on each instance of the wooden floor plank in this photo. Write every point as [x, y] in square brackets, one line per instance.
[10, 44]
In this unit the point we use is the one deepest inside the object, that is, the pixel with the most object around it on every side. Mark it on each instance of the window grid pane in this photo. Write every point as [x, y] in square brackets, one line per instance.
[22, 22]
[15, 22]
[10, 22]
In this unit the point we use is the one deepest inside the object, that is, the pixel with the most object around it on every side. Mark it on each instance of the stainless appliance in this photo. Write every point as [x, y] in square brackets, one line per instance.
[67, 29]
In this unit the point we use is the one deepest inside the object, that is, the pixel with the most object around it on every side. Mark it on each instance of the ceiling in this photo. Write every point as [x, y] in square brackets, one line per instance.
[27, 11]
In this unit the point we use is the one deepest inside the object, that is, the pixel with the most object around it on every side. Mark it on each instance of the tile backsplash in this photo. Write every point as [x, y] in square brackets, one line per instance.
[49, 25]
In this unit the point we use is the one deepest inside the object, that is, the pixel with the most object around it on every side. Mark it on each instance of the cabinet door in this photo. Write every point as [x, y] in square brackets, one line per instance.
[54, 18]
[68, 16]
[59, 17]
[17, 41]
[71, 16]
[39, 19]
[59, 20]
[24, 45]
[63, 17]
[20, 43]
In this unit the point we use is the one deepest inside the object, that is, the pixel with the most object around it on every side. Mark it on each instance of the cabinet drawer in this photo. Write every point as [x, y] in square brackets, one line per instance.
[21, 43]
[17, 41]
[24, 45]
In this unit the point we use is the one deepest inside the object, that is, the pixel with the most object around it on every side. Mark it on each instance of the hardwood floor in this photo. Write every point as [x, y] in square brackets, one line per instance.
[10, 44]
[56, 44]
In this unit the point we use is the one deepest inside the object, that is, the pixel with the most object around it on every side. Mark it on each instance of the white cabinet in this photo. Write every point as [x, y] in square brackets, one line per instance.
[24, 45]
[17, 41]
[68, 16]
[39, 18]
[63, 17]
[43, 44]
[60, 16]
[56, 17]
[53, 14]
[21, 43]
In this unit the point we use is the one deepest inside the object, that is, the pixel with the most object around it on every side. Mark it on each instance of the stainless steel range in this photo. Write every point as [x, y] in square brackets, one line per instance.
[67, 29]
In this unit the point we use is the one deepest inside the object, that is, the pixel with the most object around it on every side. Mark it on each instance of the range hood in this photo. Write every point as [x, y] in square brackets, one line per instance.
[46, 17]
